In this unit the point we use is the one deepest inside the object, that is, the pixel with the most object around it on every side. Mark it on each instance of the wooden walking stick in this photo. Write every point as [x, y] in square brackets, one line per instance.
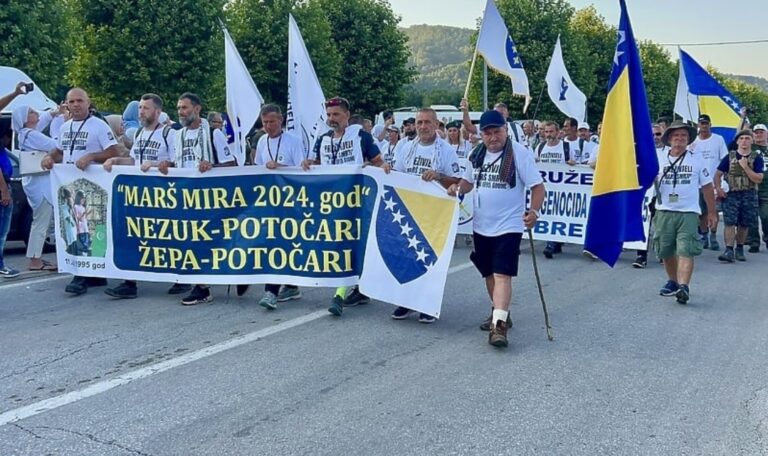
[538, 283]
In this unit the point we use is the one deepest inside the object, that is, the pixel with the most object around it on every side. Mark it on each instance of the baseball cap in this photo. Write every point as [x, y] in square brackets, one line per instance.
[583, 125]
[704, 118]
[760, 127]
[409, 120]
[392, 128]
[491, 119]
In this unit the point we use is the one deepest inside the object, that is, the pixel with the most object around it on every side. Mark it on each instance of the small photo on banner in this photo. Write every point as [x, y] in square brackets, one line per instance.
[409, 251]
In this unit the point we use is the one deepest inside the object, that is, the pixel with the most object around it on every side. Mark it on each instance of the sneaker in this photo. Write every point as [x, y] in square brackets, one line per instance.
[355, 298]
[498, 334]
[240, 290]
[727, 256]
[288, 293]
[713, 244]
[96, 281]
[486, 325]
[670, 289]
[704, 241]
[337, 306]
[268, 301]
[123, 291]
[426, 319]
[401, 313]
[77, 286]
[754, 249]
[640, 262]
[740, 254]
[198, 295]
[558, 247]
[8, 272]
[549, 251]
[683, 294]
[179, 288]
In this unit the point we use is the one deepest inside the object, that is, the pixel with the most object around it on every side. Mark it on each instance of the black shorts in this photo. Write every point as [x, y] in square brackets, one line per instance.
[496, 254]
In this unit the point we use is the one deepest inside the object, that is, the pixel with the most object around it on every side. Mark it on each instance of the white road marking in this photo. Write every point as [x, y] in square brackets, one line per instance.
[22, 283]
[45, 405]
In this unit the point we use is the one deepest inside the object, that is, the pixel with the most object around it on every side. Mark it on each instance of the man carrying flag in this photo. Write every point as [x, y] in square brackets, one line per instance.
[628, 163]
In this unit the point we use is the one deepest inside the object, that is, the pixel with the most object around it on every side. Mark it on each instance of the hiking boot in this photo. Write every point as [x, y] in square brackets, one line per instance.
[740, 254]
[486, 325]
[713, 244]
[683, 294]
[640, 262]
[123, 291]
[179, 288]
[355, 298]
[77, 286]
[288, 293]
[704, 241]
[727, 256]
[670, 289]
[498, 334]
[337, 306]
[401, 313]
[426, 319]
[754, 248]
[198, 295]
[8, 272]
[268, 301]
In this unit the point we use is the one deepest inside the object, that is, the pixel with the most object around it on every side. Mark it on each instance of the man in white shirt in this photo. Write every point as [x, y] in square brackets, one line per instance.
[586, 148]
[198, 146]
[514, 131]
[344, 144]
[553, 150]
[681, 175]
[83, 140]
[501, 171]
[388, 145]
[711, 148]
[432, 158]
[152, 144]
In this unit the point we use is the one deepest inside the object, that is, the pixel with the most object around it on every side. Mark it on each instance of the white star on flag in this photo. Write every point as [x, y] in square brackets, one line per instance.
[421, 255]
[398, 216]
[413, 242]
[622, 39]
[390, 203]
[406, 229]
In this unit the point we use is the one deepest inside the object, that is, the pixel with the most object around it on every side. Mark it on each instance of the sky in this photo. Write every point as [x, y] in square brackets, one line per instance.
[662, 21]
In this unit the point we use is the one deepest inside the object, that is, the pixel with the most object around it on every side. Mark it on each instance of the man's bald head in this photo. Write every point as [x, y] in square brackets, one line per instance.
[78, 103]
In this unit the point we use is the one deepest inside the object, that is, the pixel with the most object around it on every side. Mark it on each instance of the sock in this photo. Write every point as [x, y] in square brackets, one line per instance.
[499, 314]
[341, 292]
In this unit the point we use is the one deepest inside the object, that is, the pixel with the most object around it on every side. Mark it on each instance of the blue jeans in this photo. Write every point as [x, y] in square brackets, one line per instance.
[5, 226]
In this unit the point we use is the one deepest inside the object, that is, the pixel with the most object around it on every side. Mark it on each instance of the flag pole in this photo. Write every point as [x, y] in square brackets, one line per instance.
[471, 69]
[538, 101]
[485, 86]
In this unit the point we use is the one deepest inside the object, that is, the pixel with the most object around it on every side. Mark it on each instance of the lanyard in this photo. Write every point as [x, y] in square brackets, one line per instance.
[435, 154]
[73, 138]
[673, 167]
[485, 168]
[197, 140]
[280, 140]
[146, 143]
[334, 148]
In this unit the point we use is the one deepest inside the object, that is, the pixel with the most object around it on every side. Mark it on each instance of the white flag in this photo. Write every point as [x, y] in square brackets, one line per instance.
[564, 94]
[243, 98]
[499, 51]
[306, 102]
[686, 103]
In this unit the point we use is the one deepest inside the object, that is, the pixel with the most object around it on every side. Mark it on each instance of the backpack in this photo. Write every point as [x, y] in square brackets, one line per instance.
[166, 130]
[566, 149]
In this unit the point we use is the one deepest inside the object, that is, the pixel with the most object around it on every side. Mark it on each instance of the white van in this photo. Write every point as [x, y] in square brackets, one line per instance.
[445, 113]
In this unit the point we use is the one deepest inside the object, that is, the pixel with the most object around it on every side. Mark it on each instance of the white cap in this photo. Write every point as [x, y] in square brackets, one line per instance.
[760, 127]
[583, 125]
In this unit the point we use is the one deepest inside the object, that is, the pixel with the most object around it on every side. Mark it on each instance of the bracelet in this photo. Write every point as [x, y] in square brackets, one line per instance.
[535, 212]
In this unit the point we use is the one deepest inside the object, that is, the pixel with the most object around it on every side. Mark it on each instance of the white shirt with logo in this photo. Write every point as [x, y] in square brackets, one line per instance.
[286, 149]
[581, 150]
[81, 137]
[711, 150]
[679, 189]
[551, 154]
[415, 158]
[499, 209]
[190, 140]
[151, 146]
[463, 148]
[354, 147]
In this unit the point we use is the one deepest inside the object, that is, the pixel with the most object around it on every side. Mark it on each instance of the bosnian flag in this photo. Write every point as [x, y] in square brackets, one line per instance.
[500, 52]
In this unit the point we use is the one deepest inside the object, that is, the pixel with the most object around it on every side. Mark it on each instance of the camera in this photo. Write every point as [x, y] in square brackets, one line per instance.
[28, 87]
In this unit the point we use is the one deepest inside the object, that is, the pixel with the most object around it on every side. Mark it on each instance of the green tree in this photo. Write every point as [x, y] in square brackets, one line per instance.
[374, 53]
[260, 32]
[660, 75]
[35, 40]
[129, 48]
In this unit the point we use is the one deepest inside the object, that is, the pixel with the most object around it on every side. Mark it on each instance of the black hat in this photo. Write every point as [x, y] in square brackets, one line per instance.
[704, 118]
[454, 124]
[409, 120]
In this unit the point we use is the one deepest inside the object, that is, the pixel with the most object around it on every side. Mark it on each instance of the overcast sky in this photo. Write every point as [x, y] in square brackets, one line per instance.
[662, 21]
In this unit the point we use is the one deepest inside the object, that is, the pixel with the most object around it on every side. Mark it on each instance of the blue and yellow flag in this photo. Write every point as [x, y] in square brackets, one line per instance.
[710, 98]
[627, 164]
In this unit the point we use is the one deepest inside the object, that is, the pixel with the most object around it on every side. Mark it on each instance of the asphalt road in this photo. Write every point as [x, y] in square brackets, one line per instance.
[629, 372]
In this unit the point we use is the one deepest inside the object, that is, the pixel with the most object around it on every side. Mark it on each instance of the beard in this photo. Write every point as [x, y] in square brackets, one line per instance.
[148, 121]
[188, 120]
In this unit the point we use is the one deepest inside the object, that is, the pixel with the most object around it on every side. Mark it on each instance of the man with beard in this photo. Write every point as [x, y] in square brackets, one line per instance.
[152, 144]
[409, 129]
[344, 144]
[83, 140]
[199, 146]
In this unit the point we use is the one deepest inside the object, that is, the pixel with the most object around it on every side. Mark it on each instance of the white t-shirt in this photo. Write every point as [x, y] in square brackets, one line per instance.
[388, 151]
[711, 150]
[551, 154]
[150, 146]
[463, 148]
[581, 150]
[353, 148]
[414, 158]
[80, 137]
[690, 173]
[499, 209]
[190, 141]
[287, 150]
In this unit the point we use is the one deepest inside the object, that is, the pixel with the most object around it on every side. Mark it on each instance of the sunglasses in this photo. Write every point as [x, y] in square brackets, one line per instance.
[657, 134]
